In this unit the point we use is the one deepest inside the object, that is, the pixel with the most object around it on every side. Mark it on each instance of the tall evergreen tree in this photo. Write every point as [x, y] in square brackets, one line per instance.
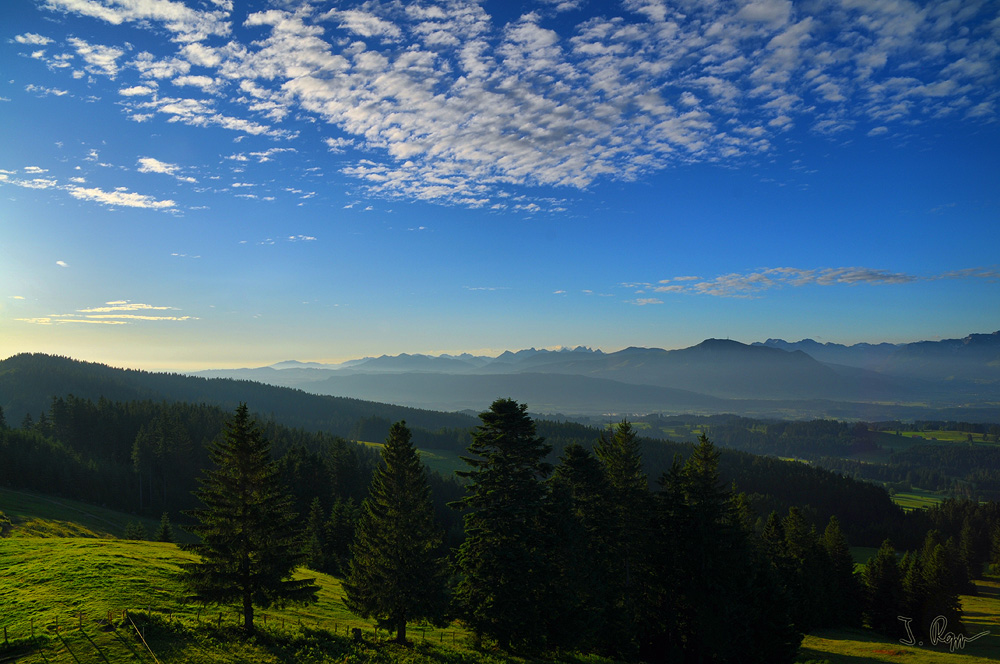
[339, 535]
[808, 572]
[503, 563]
[883, 590]
[719, 598]
[994, 557]
[314, 536]
[165, 533]
[396, 574]
[630, 507]
[250, 543]
[844, 589]
[580, 525]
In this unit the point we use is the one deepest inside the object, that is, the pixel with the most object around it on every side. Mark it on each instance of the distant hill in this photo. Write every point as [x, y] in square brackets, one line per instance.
[773, 378]
[951, 379]
[28, 382]
[975, 358]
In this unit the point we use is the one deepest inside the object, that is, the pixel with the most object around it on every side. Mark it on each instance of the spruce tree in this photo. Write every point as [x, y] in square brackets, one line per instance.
[580, 526]
[396, 574]
[809, 572]
[720, 598]
[503, 563]
[994, 558]
[630, 508]
[339, 535]
[314, 535]
[165, 533]
[844, 591]
[883, 590]
[250, 544]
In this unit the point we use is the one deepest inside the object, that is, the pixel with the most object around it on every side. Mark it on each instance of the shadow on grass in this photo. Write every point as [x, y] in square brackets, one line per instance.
[96, 647]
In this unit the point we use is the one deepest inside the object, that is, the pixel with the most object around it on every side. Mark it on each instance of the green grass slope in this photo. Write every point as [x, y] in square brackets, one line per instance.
[36, 515]
[64, 600]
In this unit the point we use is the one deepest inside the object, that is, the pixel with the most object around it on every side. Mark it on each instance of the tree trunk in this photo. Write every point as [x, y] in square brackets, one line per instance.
[401, 631]
[248, 614]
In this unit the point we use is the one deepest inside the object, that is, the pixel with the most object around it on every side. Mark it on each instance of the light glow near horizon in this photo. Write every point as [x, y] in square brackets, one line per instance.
[189, 185]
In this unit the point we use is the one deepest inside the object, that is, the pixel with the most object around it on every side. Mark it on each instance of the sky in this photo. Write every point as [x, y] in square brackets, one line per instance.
[203, 183]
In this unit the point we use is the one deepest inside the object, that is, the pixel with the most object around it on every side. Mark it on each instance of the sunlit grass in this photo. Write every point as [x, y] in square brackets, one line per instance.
[852, 646]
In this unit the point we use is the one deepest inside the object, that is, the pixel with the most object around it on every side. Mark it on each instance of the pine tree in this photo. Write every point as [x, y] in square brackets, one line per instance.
[249, 536]
[165, 533]
[941, 587]
[994, 558]
[396, 574]
[503, 563]
[339, 535]
[721, 599]
[808, 573]
[314, 535]
[580, 526]
[630, 507]
[883, 590]
[844, 591]
[135, 531]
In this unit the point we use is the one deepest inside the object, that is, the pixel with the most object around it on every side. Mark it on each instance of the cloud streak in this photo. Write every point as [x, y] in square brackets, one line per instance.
[119, 312]
[755, 283]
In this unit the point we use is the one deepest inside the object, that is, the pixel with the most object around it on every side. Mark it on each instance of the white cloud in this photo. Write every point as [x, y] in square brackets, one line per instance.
[186, 24]
[364, 24]
[43, 91]
[137, 91]
[455, 107]
[338, 144]
[62, 264]
[118, 312]
[33, 39]
[151, 165]
[205, 83]
[268, 154]
[753, 284]
[120, 197]
[99, 59]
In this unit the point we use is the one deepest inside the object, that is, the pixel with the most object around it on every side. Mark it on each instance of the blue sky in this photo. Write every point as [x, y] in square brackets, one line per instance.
[208, 184]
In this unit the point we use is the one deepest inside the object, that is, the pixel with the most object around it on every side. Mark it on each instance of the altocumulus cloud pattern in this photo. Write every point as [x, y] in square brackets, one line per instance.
[451, 105]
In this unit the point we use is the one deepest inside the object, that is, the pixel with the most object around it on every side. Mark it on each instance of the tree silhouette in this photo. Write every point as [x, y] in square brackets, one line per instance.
[395, 573]
[249, 536]
[504, 562]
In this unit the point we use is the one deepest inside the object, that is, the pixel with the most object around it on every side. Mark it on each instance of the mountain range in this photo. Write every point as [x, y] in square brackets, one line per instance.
[953, 378]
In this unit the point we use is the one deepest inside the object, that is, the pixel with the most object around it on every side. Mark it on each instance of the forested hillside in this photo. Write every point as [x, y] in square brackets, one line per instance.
[636, 544]
[29, 381]
[127, 439]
